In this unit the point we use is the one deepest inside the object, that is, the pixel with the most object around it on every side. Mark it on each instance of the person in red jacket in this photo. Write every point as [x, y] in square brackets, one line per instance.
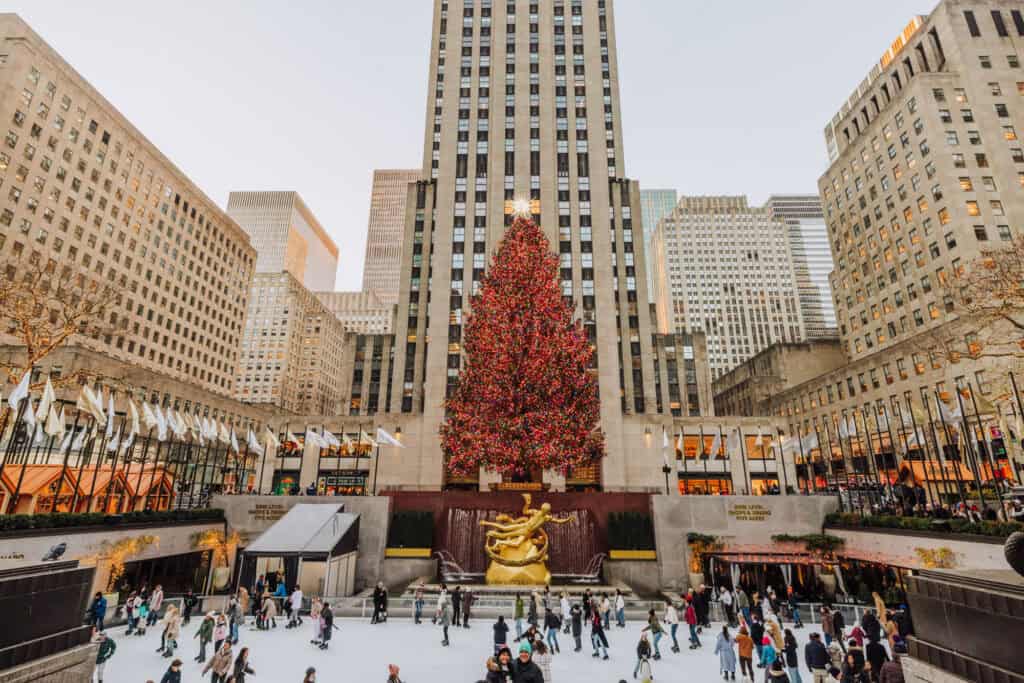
[691, 621]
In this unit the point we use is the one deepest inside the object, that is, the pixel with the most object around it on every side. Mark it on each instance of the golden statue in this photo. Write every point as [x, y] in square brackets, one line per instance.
[518, 546]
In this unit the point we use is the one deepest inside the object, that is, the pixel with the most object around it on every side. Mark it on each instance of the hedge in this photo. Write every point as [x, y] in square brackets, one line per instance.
[953, 525]
[630, 531]
[65, 520]
[411, 529]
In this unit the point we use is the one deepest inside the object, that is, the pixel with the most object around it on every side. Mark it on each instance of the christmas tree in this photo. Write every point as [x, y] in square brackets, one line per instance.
[525, 400]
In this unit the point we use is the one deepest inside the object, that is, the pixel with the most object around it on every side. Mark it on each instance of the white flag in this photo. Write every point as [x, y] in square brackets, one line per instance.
[127, 442]
[30, 414]
[19, 393]
[365, 438]
[759, 441]
[234, 441]
[852, 426]
[161, 423]
[223, 434]
[148, 417]
[716, 443]
[79, 440]
[948, 416]
[46, 401]
[66, 443]
[55, 423]
[809, 442]
[291, 438]
[664, 444]
[133, 411]
[113, 443]
[330, 439]
[253, 444]
[110, 415]
[93, 405]
[271, 439]
[844, 432]
[313, 438]
[732, 443]
[383, 437]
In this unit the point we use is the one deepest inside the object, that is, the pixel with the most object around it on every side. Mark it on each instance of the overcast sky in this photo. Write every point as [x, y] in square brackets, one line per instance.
[312, 95]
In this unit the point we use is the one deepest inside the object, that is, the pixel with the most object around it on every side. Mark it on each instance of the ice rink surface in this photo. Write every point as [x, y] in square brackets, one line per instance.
[360, 653]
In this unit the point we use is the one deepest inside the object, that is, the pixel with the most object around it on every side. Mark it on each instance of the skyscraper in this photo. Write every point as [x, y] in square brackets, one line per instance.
[726, 269]
[654, 205]
[523, 108]
[287, 236]
[385, 231]
[812, 259]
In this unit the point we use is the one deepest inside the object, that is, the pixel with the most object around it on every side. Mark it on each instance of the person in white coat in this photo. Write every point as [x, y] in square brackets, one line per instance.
[671, 620]
[564, 608]
[295, 601]
[620, 609]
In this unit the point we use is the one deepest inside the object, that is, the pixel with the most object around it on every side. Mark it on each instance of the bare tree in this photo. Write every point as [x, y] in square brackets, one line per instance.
[44, 306]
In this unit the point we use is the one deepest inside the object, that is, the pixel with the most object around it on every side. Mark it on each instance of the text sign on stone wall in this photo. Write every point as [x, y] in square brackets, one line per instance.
[268, 512]
[749, 512]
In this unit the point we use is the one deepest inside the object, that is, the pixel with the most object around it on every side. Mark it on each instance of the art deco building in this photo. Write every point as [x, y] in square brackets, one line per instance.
[360, 312]
[726, 269]
[654, 205]
[83, 189]
[292, 349]
[287, 236]
[812, 259]
[385, 232]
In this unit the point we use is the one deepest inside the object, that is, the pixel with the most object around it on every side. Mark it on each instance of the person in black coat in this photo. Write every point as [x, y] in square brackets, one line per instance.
[576, 614]
[380, 604]
[173, 673]
[457, 605]
[870, 625]
[500, 634]
[241, 667]
[524, 669]
[189, 603]
[700, 606]
[328, 616]
[875, 653]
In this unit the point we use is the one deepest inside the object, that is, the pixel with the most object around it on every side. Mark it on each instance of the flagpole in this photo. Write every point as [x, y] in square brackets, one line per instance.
[743, 454]
[127, 468]
[989, 455]
[152, 475]
[1020, 415]
[99, 461]
[872, 463]
[832, 462]
[263, 467]
[974, 461]
[938, 449]
[132, 499]
[826, 465]
[63, 469]
[113, 467]
[853, 462]
[25, 401]
[808, 466]
[892, 446]
[923, 447]
[376, 465]
[81, 462]
[842, 456]
[17, 451]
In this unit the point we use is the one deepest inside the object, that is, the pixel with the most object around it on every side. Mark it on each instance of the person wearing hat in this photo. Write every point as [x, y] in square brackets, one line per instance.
[524, 669]
[104, 653]
[310, 676]
[205, 635]
[776, 674]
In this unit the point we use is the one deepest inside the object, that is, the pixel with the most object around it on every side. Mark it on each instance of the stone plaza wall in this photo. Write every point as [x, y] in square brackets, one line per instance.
[71, 666]
[918, 551]
[739, 520]
[250, 516]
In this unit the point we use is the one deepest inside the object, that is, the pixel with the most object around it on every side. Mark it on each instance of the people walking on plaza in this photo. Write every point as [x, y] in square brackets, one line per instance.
[691, 621]
[643, 653]
[106, 650]
[839, 628]
[542, 656]
[457, 605]
[97, 610]
[768, 653]
[500, 629]
[445, 619]
[620, 608]
[817, 658]
[671, 618]
[468, 598]
[743, 604]
[326, 625]
[654, 626]
[173, 673]
[576, 616]
[791, 657]
[563, 610]
[518, 612]
[726, 654]
[236, 618]
[875, 654]
[552, 624]
[156, 601]
[745, 650]
[597, 636]
[188, 603]
[220, 631]
[241, 666]
[417, 603]
[205, 635]
[524, 669]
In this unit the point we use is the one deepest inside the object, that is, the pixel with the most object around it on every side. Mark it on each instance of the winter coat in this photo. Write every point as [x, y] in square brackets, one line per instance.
[496, 677]
[467, 601]
[577, 620]
[827, 623]
[526, 673]
[446, 615]
[816, 656]
[551, 620]
[456, 598]
[240, 669]
[205, 632]
[171, 677]
[269, 608]
[500, 633]
[876, 654]
[155, 600]
[220, 663]
[654, 625]
[871, 626]
[99, 607]
[892, 672]
[243, 599]
[327, 614]
[742, 601]
[691, 615]
[757, 632]
[543, 662]
[671, 615]
[520, 609]
[236, 615]
[792, 658]
[726, 655]
[643, 648]
[172, 625]
[775, 632]
[190, 603]
[106, 651]
[220, 631]
[745, 645]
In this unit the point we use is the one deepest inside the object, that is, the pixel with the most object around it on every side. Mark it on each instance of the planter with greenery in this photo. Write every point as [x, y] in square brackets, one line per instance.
[927, 524]
[700, 545]
[67, 520]
[411, 534]
[816, 544]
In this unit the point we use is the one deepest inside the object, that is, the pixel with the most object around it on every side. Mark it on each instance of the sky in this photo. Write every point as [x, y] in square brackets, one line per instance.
[312, 95]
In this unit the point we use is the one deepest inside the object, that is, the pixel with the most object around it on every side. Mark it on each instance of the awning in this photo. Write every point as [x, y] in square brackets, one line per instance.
[310, 531]
[766, 558]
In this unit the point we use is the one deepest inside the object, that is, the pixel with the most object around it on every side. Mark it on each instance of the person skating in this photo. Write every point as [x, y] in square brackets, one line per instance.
[220, 664]
[817, 658]
[171, 625]
[691, 622]
[518, 612]
[243, 601]
[500, 629]
[542, 658]
[620, 609]
[726, 599]
[236, 618]
[775, 631]
[241, 666]
[524, 669]
[745, 650]
[743, 604]
[220, 631]
[892, 671]
[671, 618]
[205, 635]
[564, 609]
[576, 616]
[700, 607]
[606, 610]
[726, 655]
[643, 653]
[467, 605]
[654, 626]
[142, 617]
[97, 611]
[791, 656]
[156, 601]
[776, 674]
[551, 625]
[269, 611]
[173, 673]
[378, 603]
[310, 676]
[295, 602]
[597, 637]
[131, 612]
[531, 609]
[875, 654]
[315, 608]
[417, 603]
[494, 673]
[768, 653]
[757, 635]
[327, 629]
[587, 604]
[445, 620]
[188, 603]
[839, 628]
[106, 650]
[457, 605]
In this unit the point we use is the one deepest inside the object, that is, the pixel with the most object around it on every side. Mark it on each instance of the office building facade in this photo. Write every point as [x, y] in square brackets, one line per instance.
[654, 205]
[360, 312]
[287, 237]
[385, 232]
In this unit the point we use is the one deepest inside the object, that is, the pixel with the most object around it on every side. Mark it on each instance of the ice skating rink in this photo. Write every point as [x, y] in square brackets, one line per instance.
[360, 652]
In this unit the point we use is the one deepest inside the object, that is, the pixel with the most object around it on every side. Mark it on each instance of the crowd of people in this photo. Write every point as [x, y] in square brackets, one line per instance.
[753, 637]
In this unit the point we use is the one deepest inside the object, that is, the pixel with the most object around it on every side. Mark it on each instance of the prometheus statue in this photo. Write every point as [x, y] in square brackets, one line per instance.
[518, 546]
